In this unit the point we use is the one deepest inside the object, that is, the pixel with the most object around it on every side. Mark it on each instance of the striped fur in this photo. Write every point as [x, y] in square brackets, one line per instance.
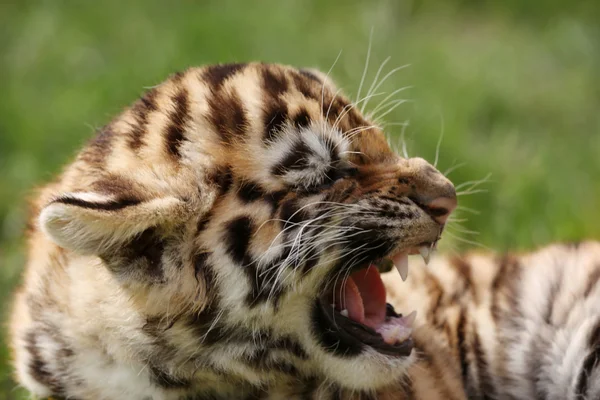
[506, 327]
[183, 253]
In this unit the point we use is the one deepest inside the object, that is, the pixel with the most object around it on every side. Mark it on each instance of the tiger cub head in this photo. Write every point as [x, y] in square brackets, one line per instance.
[252, 203]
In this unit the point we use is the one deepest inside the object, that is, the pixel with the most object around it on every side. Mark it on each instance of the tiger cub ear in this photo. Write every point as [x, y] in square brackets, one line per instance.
[92, 223]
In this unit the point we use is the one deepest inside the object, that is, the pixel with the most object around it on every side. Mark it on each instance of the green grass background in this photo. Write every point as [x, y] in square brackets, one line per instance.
[514, 86]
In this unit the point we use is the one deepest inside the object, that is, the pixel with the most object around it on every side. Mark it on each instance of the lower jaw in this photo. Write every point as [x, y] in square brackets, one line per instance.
[347, 338]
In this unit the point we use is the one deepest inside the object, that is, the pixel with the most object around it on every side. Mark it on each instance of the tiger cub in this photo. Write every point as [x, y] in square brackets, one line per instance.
[516, 326]
[220, 239]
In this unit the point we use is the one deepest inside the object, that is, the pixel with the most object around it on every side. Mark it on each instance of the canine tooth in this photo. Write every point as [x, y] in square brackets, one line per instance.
[409, 319]
[425, 253]
[401, 263]
[344, 312]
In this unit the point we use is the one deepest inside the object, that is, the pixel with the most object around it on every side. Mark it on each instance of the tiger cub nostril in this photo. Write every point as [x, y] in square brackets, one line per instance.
[448, 203]
[437, 212]
[441, 208]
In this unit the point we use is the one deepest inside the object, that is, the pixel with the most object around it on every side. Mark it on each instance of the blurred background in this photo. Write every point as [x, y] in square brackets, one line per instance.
[511, 87]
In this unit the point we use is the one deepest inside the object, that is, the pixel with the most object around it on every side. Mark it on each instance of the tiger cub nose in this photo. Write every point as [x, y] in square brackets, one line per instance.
[433, 191]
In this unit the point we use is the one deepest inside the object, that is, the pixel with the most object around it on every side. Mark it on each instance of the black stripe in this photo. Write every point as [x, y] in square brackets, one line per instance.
[237, 238]
[306, 86]
[463, 269]
[504, 286]
[312, 258]
[308, 387]
[302, 119]
[592, 281]
[176, 77]
[486, 386]
[261, 359]
[178, 120]
[292, 213]
[367, 396]
[296, 158]
[38, 369]
[589, 363]
[216, 75]
[274, 82]
[207, 329]
[167, 381]
[202, 268]
[258, 292]
[264, 286]
[274, 198]
[289, 344]
[99, 147]
[336, 392]
[140, 110]
[555, 289]
[227, 115]
[534, 365]
[111, 205]
[275, 118]
[203, 222]
[249, 191]
[307, 73]
[462, 347]
[222, 177]
[141, 257]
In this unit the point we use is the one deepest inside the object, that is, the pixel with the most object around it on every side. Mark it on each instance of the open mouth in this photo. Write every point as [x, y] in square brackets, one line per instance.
[356, 310]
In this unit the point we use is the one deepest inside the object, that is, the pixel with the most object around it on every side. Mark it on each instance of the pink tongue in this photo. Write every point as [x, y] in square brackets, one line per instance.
[363, 295]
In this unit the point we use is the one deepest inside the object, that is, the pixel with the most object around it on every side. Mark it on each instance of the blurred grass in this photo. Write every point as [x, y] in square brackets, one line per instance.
[513, 86]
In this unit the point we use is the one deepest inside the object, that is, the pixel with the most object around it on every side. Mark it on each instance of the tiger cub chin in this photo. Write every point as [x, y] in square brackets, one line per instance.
[222, 238]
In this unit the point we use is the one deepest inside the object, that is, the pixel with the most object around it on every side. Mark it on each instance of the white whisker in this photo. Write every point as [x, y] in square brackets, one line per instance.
[469, 192]
[454, 167]
[366, 68]
[394, 104]
[460, 229]
[384, 103]
[455, 220]
[362, 109]
[467, 241]
[469, 210]
[392, 72]
[474, 184]
[404, 150]
[327, 77]
[439, 142]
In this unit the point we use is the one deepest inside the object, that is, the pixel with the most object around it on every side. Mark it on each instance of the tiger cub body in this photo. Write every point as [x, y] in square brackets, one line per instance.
[509, 326]
[218, 240]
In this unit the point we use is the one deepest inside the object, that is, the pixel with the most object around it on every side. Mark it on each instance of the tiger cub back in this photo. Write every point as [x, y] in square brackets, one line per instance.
[516, 326]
